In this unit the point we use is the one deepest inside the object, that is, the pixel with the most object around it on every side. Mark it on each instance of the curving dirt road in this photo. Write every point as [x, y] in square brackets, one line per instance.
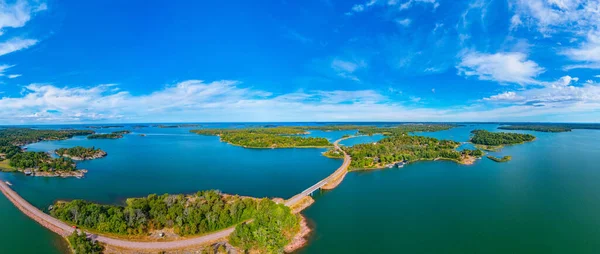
[64, 229]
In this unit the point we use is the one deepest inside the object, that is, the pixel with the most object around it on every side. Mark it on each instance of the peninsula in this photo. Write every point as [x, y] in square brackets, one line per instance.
[113, 135]
[80, 153]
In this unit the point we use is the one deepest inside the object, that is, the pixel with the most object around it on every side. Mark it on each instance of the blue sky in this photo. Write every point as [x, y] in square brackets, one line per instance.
[320, 60]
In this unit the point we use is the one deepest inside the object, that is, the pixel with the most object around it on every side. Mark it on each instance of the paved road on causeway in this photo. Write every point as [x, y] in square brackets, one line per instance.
[64, 229]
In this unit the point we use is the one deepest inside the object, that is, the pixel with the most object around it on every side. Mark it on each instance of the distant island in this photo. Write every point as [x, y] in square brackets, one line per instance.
[566, 127]
[79, 153]
[496, 159]
[113, 135]
[493, 141]
[178, 126]
[188, 215]
[276, 137]
[105, 126]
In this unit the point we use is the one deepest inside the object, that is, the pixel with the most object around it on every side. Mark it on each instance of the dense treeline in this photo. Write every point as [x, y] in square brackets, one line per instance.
[276, 137]
[273, 227]
[121, 132]
[483, 137]
[333, 153]
[540, 128]
[41, 161]
[406, 148]
[555, 127]
[80, 244]
[23, 136]
[503, 159]
[105, 126]
[81, 153]
[178, 126]
[203, 212]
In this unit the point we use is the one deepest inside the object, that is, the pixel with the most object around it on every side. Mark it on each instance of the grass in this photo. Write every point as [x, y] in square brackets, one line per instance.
[4, 166]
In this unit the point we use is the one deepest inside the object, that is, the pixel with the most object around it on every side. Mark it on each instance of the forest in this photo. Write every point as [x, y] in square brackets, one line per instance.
[273, 227]
[554, 127]
[81, 244]
[113, 135]
[41, 161]
[200, 213]
[276, 137]
[24, 136]
[496, 159]
[483, 137]
[81, 153]
[406, 148]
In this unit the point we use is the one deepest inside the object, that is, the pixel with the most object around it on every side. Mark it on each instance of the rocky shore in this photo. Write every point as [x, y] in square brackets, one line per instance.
[77, 173]
[98, 154]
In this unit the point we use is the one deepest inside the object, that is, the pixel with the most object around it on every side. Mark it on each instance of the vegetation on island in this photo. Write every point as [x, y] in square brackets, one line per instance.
[558, 127]
[404, 128]
[81, 153]
[334, 154]
[41, 162]
[496, 159]
[499, 139]
[203, 212]
[178, 126]
[277, 137]
[14, 158]
[81, 244]
[273, 227]
[24, 136]
[105, 126]
[406, 148]
[113, 135]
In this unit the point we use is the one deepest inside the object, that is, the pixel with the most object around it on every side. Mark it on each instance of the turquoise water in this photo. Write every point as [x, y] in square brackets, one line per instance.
[545, 200]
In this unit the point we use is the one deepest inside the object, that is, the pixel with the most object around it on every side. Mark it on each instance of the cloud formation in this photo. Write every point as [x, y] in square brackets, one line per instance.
[511, 67]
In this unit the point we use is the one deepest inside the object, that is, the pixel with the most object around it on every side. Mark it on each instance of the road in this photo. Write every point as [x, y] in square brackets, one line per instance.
[342, 170]
[64, 229]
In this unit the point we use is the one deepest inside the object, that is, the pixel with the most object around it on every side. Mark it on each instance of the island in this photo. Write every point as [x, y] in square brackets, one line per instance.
[492, 141]
[496, 159]
[15, 158]
[397, 150]
[80, 153]
[188, 215]
[178, 126]
[558, 127]
[113, 135]
[104, 126]
[276, 137]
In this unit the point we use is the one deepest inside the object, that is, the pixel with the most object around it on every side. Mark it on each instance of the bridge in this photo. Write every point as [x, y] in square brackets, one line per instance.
[64, 229]
[329, 182]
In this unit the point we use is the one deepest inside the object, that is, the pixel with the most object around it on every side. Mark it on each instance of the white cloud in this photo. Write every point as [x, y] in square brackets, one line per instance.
[11, 76]
[3, 68]
[512, 67]
[195, 100]
[15, 44]
[346, 69]
[587, 54]
[404, 22]
[561, 93]
[17, 14]
[410, 3]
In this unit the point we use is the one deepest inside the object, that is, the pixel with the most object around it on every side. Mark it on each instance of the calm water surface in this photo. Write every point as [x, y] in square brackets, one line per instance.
[545, 200]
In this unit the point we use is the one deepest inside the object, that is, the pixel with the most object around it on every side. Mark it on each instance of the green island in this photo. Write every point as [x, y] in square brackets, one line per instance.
[276, 137]
[105, 126]
[496, 159]
[188, 215]
[14, 158]
[178, 126]
[566, 127]
[492, 141]
[399, 149]
[79, 153]
[290, 136]
[113, 135]
[81, 244]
